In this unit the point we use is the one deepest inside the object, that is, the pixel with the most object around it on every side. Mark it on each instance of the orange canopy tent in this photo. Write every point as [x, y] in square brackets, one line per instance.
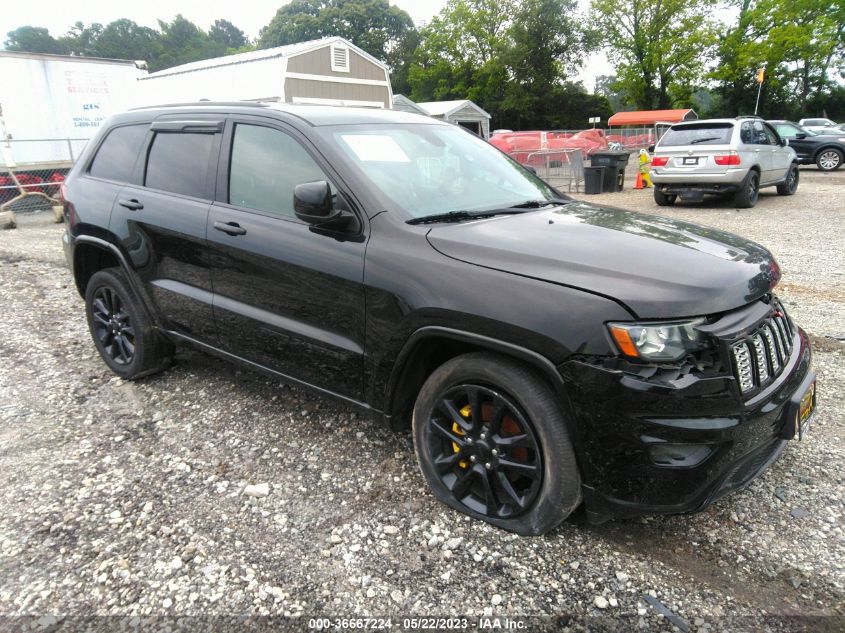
[644, 118]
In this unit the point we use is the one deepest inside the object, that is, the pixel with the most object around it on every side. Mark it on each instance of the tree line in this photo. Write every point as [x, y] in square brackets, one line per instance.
[674, 53]
[519, 59]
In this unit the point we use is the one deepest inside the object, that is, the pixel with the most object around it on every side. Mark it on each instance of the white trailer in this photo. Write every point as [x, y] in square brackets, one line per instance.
[50, 105]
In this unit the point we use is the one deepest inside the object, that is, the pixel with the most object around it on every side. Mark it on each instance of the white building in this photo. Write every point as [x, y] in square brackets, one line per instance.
[327, 71]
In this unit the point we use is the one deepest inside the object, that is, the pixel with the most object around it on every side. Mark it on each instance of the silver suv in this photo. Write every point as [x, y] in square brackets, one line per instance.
[719, 157]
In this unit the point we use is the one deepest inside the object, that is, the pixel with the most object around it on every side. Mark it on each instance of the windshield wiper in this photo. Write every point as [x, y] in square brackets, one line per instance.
[457, 216]
[705, 139]
[536, 204]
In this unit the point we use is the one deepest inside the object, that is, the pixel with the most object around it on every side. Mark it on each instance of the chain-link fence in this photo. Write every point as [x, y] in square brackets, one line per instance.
[558, 156]
[558, 167]
[31, 174]
[634, 138]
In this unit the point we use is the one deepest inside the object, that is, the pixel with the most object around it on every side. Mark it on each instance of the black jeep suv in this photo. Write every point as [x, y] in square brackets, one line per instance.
[546, 351]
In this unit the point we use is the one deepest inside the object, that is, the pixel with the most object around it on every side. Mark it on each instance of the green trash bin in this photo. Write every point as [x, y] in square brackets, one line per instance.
[594, 179]
[614, 164]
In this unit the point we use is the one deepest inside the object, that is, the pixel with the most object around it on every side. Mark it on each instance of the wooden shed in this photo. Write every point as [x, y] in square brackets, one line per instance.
[404, 104]
[463, 112]
[329, 71]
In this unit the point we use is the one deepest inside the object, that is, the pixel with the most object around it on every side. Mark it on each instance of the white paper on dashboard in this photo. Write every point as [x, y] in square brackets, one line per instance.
[376, 148]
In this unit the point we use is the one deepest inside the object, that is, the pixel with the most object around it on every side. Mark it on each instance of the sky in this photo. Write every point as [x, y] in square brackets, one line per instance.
[247, 15]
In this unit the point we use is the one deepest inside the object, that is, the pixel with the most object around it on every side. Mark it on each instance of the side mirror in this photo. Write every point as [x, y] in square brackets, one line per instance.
[800, 135]
[650, 149]
[312, 203]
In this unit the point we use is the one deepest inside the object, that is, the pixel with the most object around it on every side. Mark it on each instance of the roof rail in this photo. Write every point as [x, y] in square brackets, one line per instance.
[225, 104]
[749, 116]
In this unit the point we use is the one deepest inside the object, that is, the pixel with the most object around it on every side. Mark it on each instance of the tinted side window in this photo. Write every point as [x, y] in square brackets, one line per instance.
[761, 137]
[179, 163]
[265, 167]
[116, 157]
[770, 134]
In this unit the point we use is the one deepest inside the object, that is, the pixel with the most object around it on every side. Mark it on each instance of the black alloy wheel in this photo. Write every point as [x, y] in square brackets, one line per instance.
[749, 191]
[664, 199]
[113, 326]
[123, 333]
[485, 451]
[753, 186]
[492, 441]
[790, 185]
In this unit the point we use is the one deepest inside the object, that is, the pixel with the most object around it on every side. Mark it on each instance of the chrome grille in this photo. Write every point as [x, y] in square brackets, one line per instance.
[762, 359]
[743, 366]
[761, 356]
[772, 348]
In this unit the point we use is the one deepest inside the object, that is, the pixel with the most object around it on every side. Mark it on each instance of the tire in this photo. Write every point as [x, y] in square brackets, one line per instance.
[539, 467]
[749, 191]
[664, 199]
[122, 332]
[790, 185]
[829, 159]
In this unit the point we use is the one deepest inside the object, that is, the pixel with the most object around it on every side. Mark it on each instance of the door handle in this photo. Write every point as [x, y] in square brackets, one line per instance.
[232, 228]
[132, 204]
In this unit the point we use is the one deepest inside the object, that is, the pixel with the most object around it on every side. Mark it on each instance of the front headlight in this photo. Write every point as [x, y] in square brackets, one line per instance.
[666, 341]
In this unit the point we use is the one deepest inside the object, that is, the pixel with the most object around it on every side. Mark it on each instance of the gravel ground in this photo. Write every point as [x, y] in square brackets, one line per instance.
[212, 491]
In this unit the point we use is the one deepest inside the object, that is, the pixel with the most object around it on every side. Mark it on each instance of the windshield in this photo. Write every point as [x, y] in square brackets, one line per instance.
[698, 134]
[433, 169]
[789, 130]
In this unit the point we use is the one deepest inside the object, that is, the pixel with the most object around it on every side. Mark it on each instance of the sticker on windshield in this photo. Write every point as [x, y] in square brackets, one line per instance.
[376, 148]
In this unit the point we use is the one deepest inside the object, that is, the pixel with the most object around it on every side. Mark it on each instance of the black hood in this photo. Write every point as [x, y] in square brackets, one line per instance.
[657, 267]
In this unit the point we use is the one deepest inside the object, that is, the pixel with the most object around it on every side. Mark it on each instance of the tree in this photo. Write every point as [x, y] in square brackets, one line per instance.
[178, 42]
[801, 43]
[373, 25]
[608, 86]
[512, 58]
[34, 39]
[124, 39]
[544, 43]
[227, 35]
[399, 60]
[83, 40]
[182, 42]
[660, 47]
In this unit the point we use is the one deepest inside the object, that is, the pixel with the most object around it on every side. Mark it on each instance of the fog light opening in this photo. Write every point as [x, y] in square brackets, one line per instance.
[679, 455]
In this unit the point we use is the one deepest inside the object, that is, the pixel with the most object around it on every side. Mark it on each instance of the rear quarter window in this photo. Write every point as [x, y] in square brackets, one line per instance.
[698, 134]
[115, 159]
[178, 163]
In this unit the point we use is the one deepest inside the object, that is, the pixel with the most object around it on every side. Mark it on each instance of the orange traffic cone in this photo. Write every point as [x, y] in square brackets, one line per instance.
[639, 183]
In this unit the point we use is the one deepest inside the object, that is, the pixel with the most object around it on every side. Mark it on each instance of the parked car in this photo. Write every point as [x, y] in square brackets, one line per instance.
[822, 126]
[722, 157]
[545, 351]
[824, 150]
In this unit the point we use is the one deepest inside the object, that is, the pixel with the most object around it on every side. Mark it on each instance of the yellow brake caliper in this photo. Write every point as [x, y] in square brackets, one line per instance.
[466, 412]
